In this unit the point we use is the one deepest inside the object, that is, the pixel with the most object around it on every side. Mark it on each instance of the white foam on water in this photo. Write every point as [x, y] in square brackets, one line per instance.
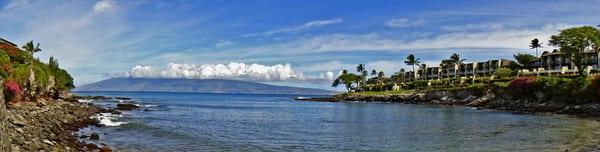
[85, 100]
[108, 119]
[301, 97]
[149, 105]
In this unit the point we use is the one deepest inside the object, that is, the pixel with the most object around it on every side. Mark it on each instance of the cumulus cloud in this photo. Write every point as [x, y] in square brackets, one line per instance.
[235, 71]
[307, 25]
[326, 75]
[403, 22]
[103, 6]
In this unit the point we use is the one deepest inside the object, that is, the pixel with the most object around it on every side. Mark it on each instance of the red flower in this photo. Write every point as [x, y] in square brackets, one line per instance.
[522, 84]
[10, 50]
[12, 87]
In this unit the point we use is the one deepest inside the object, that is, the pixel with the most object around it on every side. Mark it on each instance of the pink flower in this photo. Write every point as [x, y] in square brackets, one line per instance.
[12, 87]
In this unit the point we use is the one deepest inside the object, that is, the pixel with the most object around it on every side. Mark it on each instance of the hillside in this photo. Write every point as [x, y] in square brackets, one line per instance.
[195, 85]
[25, 78]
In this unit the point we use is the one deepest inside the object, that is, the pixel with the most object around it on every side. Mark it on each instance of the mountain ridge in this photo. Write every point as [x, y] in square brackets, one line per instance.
[196, 86]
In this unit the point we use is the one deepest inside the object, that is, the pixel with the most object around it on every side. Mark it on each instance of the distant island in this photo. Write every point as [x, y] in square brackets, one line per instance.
[196, 86]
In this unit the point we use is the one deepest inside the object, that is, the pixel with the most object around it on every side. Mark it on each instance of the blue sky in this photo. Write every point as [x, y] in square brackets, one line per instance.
[96, 39]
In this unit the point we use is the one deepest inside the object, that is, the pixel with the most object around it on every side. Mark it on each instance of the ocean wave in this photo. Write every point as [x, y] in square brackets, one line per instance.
[85, 100]
[108, 119]
[149, 105]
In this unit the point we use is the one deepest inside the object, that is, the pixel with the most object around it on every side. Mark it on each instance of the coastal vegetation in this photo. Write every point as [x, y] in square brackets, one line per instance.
[26, 78]
[578, 47]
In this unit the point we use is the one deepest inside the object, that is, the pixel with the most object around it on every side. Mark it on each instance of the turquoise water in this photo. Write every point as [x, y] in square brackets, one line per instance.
[229, 122]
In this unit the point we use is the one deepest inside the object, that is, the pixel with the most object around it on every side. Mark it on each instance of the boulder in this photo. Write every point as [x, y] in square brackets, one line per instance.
[123, 98]
[127, 106]
[94, 136]
[105, 149]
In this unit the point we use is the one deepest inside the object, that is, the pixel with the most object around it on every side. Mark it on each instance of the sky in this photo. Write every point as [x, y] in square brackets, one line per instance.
[296, 43]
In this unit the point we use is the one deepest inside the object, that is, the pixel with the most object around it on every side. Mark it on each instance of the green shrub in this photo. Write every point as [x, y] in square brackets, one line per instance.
[420, 84]
[20, 73]
[21, 57]
[503, 73]
[594, 87]
[41, 77]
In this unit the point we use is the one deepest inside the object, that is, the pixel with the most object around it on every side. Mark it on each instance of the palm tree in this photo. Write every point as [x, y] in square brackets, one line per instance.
[31, 48]
[411, 60]
[402, 74]
[345, 78]
[455, 58]
[362, 71]
[423, 69]
[444, 65]
[380, 81]
[373, 72]
[535, 44]
[360, 68]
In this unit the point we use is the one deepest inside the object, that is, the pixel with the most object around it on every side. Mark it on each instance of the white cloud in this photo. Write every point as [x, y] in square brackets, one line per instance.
[103, 6]
[307, 25]
[16, 3]
[326, 75]
[475, 27]
[509, 38]
[236, 71]
[223, 43]
[403, 22]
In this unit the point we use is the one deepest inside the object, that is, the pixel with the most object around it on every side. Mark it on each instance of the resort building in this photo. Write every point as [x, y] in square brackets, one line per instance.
[465, 70]
[6, 42]
[555, 63]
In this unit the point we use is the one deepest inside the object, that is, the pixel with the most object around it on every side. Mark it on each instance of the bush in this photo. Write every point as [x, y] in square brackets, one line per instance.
[12, 90]
[594, 87]
[503, 73]
[20, 73]
[420, 84]
[523, 86]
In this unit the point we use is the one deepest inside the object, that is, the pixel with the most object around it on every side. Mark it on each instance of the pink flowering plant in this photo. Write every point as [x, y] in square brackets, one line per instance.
[522, 85]
[12, 89]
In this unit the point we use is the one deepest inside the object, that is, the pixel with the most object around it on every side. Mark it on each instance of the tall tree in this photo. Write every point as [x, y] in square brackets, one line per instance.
[362, 73]
[31, 49]
[360, 68]
[444, 65]
[535, 44]
[525, 60]
[457, 61]
[423, 69]
[411, 60]
[574, 42]
[346, 79]
[399, 75]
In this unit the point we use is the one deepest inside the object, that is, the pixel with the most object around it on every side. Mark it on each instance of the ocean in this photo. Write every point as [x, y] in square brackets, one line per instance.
[246, 122]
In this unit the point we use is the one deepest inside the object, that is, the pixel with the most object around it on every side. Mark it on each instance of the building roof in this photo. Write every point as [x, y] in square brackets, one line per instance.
[6, 41]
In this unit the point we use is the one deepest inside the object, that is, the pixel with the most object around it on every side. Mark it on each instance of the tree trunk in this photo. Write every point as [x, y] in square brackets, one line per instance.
[31, 81]
[414, 72]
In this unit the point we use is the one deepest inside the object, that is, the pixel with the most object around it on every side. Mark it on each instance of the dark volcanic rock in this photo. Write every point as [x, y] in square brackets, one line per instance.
[127, 106]
[123, 98]
[48, 127]
[94, 136]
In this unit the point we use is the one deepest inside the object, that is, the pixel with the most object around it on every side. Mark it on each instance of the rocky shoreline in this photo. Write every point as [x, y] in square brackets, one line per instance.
[483, 99]
[478, 99]
[48, 125]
